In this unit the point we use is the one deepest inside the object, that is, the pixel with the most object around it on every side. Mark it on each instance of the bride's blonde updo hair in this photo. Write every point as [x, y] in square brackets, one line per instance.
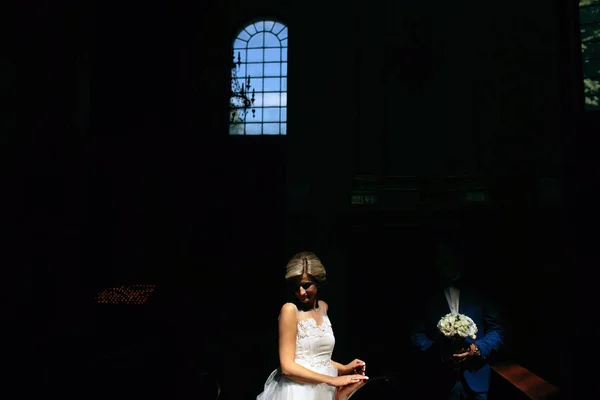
[306, 262]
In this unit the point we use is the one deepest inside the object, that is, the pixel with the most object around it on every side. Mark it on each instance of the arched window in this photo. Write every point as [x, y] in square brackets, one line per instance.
[258, 104]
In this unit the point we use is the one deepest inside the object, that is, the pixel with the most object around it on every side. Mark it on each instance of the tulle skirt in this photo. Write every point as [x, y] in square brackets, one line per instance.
[279, 387]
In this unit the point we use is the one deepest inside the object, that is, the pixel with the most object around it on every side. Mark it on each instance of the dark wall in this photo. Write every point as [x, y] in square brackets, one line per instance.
[130, 178]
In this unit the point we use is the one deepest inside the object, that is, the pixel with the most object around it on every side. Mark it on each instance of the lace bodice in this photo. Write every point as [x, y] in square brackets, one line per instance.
[314, 343]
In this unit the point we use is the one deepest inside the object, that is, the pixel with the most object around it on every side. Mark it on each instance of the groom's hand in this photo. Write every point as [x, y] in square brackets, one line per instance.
[345, 392]
[472, 351]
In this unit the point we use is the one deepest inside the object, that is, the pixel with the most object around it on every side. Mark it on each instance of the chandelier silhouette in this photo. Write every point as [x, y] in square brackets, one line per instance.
[241, 100]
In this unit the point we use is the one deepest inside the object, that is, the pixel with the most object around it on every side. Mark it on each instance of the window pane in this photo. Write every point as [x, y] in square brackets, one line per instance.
[269, 25]
[271, 40]
[271, 99]
[253, 129]
[255, 55]
[254, 69]
[271, 129]
[271, 114]
[283, 129]
[272, 69]
[239, 54]
[284, 84]
[239, 44]
[258, 100]
[284, 55]
[251, 30]
[272, 84]
[241, 71]
[256, 84]
[243, 35]
[284, 43]
[277, 28]
[283, 34]
[284, 99]
[283, 114]
[257, 40]
[260, 26]
[283, 69]
[258, 115]
[273, 54]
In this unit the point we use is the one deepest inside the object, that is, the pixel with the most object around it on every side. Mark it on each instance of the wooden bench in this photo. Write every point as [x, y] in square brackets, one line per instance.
[529, 384]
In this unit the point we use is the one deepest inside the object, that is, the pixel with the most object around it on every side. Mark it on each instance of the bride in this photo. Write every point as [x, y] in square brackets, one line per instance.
[306, 342]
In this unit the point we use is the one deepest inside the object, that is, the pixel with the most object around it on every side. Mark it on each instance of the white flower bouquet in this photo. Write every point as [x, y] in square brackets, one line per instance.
[457, 325]
[456, 328]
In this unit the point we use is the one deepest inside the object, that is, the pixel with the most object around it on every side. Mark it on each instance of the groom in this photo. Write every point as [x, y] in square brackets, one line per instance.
[466, 374]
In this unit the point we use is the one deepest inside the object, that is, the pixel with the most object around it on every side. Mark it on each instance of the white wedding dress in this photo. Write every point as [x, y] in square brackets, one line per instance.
[314, 346]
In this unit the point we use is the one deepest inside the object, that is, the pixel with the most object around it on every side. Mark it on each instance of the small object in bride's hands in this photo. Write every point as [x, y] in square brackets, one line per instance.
[360, 369]
[356, 366]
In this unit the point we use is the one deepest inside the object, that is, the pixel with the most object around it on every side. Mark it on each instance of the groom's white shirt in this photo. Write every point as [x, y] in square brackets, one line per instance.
[453, 297]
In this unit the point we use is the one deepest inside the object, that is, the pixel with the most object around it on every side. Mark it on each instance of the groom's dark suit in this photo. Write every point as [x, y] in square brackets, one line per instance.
[425, 339]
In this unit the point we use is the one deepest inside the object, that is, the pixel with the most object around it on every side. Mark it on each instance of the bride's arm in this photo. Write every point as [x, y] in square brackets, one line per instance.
[288, 326]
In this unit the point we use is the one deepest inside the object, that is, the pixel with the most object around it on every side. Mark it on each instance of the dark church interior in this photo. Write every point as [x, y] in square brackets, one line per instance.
[473, 121]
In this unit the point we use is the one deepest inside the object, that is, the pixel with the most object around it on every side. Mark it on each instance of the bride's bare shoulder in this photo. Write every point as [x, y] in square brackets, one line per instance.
[324, 305]
[288, 308]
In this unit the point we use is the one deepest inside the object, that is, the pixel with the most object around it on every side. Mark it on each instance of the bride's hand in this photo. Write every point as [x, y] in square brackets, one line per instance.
[344, 380]
[356, 367]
